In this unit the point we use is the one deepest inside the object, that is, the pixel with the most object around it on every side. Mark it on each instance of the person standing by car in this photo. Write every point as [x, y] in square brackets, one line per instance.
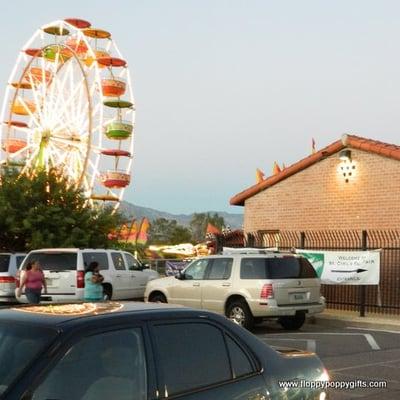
[93, 283]
[34, 281]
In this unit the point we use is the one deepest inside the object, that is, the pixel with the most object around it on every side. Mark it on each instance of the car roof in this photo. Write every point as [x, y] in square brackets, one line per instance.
[269, 254]
[57, 314]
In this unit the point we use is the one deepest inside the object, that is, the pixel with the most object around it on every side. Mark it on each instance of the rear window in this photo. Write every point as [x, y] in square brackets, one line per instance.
[276, 268]
[4, 262]
[53, 261]
[19, 345]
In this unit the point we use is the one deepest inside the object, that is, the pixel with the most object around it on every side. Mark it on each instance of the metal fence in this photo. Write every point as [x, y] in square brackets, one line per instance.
[383, 298]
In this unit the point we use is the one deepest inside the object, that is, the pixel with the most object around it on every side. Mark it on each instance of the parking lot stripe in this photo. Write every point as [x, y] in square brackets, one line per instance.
[374, 330]
[368, 337]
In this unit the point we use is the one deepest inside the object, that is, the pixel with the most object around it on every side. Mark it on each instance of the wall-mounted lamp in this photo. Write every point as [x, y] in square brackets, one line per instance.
[345, 155]
[347, 166]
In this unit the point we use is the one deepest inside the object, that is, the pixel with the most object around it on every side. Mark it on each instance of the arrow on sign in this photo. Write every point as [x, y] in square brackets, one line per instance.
[349, 271]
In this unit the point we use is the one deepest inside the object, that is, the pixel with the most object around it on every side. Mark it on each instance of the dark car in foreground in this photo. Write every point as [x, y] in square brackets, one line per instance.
[140, 351]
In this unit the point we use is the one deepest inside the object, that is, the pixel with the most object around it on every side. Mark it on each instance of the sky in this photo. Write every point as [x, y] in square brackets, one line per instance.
[223, 87]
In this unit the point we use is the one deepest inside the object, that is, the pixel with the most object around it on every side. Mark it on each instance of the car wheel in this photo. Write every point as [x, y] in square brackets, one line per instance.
[239, 312]
[293, 323]
[158, 298]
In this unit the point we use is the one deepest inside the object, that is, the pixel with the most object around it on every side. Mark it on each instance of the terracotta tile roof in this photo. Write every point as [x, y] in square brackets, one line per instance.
[355, 142]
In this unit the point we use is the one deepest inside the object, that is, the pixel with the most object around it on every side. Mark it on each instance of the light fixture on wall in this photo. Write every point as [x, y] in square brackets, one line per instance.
[347, 166]
[345, 155]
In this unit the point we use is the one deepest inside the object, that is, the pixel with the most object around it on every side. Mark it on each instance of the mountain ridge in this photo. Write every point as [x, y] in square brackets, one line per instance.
[129, 210]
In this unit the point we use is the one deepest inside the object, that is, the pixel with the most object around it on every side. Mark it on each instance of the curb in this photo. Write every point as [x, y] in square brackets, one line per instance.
[357, 322]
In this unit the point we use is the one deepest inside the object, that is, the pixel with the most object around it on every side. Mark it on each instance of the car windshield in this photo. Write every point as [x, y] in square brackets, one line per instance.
[19, 345]
[53, 261]
[4, 262]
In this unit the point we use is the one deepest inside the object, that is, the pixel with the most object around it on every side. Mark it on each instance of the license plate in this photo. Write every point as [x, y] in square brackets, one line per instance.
[298, 296]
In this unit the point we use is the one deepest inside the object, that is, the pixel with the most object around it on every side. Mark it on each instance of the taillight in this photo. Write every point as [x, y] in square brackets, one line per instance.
[267, 292]
[80, 279]
[7, 279]
[17, 278]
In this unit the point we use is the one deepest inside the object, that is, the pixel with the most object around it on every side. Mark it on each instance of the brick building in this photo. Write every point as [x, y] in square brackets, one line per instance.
[359, 190]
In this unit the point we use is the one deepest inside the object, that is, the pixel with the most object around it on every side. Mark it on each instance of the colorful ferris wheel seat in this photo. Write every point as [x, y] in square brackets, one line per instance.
[77, 45]
[111, 61]
[118, 130]
[38, 75]
[56, 30]
[104, 197]
[115, 179]
[21, 85]
[13, 145]
[113, 87]
[78, 23]
[33, 52]
[17, 124]
[98, 53]
[118, 103]
[50, 53]
[116, 153]
[21, 107]
[96, 33]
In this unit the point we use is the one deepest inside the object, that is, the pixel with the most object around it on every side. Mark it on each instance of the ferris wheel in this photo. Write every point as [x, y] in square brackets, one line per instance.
[69, 105]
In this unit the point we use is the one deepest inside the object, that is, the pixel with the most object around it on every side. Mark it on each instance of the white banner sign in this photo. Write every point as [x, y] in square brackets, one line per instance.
[345, 267]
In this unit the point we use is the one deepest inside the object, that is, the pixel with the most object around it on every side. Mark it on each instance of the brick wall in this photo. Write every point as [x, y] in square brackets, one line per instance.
[319, 198]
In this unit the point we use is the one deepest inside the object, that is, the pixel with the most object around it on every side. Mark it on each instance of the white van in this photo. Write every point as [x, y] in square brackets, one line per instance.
[64, 269]
[9, 264]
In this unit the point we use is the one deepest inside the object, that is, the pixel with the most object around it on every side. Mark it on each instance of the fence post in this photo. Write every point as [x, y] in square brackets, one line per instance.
[363, 288]
[302, 240]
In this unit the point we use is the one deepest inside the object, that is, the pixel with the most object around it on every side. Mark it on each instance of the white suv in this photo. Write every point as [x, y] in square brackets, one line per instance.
[64, 270]
[246, 288]
[9, 264]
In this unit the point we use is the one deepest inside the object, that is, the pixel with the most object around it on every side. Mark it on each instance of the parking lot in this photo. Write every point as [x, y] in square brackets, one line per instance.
[349, 354]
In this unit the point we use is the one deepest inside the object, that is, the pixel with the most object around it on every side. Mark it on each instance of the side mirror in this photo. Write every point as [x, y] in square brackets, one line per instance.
[180, 276]
[146, 266]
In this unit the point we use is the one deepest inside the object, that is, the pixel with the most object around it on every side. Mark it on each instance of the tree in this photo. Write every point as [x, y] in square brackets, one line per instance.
[199, 222]
[45, 210]
[165, 231]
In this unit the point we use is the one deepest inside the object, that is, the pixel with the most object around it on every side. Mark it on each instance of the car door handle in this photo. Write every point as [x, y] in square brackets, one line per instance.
[133, 276]
[118, 276]
[196, 284]
[226, 284]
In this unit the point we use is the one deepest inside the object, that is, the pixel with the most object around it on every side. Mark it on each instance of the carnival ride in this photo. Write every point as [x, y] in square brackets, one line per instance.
[69, 105]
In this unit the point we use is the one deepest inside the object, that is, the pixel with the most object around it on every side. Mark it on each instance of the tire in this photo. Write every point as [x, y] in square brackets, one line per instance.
[293, 323]
[107, 292]
[158, 298]
[239, 312]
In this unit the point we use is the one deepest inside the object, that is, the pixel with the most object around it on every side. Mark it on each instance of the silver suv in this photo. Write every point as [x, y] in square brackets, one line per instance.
[246, 288]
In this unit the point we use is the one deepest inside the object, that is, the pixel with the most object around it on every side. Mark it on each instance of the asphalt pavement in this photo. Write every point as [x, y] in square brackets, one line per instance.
[356, 355]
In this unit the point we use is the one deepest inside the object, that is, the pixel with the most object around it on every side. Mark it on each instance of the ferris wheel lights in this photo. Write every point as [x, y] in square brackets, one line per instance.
[78, 23]
[96, 33]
